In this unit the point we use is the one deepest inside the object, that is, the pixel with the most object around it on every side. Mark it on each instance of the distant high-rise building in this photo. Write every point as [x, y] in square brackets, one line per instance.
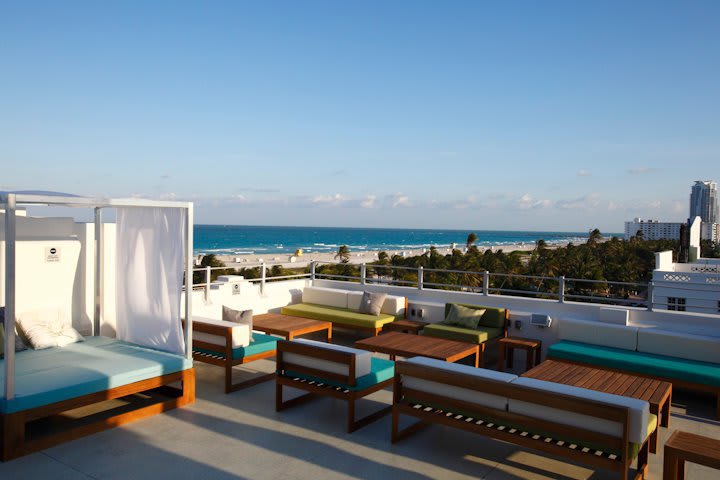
[703, 201]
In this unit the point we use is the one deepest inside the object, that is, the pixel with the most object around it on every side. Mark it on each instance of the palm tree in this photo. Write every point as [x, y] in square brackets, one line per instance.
[540, 244]
[594, 237]
[343, 254]
[471, 238]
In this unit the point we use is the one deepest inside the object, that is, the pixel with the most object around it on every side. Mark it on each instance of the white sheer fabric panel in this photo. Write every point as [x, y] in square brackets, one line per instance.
[149, 275]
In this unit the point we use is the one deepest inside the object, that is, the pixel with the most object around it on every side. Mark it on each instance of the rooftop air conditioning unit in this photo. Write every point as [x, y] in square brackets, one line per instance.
[540, 320]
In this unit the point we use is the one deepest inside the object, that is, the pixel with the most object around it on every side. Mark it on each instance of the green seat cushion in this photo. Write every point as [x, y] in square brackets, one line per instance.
[644, 363]
[380, 371]
[43, 377]
[261, 343]
[472, 335]
[337, 315]
[493, 318]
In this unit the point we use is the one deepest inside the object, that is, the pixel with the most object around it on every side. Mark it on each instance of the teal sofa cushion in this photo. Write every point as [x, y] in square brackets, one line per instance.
[43, 377]
[493, 317]
[260, 343]
[380, 371]
[644, 363]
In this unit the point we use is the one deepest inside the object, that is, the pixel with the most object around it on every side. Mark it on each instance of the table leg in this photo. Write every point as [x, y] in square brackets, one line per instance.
[528, 359]
[477, 358]
[510, 355]
[665, 420]
[329, 335]
[501, 357]
[654, 439]
[538, 355]
[670, 466]
[290, 336]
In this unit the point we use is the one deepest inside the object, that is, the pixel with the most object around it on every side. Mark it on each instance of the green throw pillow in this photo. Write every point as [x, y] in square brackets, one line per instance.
[464, 317]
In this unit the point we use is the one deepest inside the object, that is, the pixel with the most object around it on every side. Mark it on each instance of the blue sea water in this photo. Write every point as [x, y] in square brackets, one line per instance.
[242, 239]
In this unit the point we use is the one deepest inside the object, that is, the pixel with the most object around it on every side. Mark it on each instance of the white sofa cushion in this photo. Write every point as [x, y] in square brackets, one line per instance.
[638, 419]
[362, 359]
[598, 333]
[330, 297]
[618, 316]
[393, 304]
[459, 393]
[240, 333]
[677, 344]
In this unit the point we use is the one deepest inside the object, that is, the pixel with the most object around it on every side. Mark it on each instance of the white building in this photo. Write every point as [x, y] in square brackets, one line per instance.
[710, 231]
[653, 229]
[691, 287]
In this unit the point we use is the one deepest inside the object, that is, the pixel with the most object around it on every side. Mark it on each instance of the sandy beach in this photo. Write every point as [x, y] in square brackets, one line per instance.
[357, 257]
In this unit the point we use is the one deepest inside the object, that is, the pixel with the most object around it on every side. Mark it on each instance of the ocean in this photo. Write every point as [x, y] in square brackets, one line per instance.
[242, 239]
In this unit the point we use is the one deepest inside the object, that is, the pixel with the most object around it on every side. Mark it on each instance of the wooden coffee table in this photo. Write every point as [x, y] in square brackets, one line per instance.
[684, 447]
[405, 326]
[656, 392]
[398, 344]
[290, 327]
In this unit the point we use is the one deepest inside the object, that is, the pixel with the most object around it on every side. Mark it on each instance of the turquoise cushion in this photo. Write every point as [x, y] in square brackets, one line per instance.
[261, 343]
[55, 374]
[638, 362]
[380, 370]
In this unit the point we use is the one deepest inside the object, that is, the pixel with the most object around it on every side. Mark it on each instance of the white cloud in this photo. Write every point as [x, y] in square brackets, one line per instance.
[590, 200]
[400, 200]
[368, 201]
[527, 202]
[329, 200]
[583, 173]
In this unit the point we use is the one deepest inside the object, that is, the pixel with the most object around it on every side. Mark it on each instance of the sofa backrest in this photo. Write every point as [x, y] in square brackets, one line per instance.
[393, 304]
[598, 333]
[419, 382]
[638, 410]
[240, 335]
[493, 318]
[678, 344]
[323, 360]
[331, 297]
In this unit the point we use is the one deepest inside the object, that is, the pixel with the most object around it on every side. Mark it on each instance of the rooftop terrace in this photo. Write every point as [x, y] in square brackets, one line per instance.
[241, 436]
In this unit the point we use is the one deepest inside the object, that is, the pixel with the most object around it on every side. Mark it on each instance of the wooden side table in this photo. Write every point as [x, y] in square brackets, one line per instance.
[532, 347]
[684, 447]
[405, 326]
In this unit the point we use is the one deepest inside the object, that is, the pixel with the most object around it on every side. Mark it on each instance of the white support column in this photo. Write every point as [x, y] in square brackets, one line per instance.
[650, 296]
[10, 297]
[208, 277]
[486, 283]
[420, 277]
[363, 274]
[561, 289]
[99, 271]
[188, 282]
[312, 271]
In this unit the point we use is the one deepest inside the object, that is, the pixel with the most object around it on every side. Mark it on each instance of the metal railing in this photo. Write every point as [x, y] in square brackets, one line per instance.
[560, 288]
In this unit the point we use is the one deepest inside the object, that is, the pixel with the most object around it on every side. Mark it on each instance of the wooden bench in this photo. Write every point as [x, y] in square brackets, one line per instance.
[307, 365]
[508, 425]
[227, 357]
[684, 447]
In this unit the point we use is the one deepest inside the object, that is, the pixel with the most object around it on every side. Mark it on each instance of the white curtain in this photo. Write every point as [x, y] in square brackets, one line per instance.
[149, 274]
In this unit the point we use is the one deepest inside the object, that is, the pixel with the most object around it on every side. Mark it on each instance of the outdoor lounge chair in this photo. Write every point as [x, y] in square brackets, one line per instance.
[331, 370]
[227, 344]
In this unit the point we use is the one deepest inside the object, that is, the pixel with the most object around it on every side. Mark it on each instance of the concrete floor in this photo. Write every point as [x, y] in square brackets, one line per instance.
[241, 436]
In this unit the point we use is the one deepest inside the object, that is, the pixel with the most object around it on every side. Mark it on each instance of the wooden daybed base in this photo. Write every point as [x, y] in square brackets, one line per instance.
[433, 408]
[15, 441]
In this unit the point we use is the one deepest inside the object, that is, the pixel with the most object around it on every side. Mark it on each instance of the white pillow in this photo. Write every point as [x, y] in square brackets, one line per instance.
[241, 317]
[48, 328]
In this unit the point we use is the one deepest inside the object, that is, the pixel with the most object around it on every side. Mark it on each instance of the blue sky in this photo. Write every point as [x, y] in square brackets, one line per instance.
[506, 115]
